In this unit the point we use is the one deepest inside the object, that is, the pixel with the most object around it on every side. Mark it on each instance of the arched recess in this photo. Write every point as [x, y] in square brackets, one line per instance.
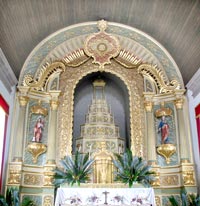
[68, 81]
[117, 98]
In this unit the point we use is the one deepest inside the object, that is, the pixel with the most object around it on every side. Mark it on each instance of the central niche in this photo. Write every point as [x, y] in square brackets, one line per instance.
[116, 98]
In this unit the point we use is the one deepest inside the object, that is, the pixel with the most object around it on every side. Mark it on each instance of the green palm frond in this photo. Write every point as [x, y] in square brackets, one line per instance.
[28, 202]
[132, 169]
[185, 199]
[173, 201]
[3, 201]
[75, 170]
[12, 198]
[194, 199]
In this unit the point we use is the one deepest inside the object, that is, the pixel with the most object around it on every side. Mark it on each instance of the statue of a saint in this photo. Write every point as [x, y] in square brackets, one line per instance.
[38, 129]
[163, 127]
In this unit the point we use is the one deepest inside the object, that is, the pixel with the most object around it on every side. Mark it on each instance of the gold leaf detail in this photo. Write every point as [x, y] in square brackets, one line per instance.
[75, 58]
[128, 59]
[40, 82]
[159, 78]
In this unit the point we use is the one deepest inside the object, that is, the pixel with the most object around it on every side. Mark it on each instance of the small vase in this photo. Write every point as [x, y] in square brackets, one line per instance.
[135, 184]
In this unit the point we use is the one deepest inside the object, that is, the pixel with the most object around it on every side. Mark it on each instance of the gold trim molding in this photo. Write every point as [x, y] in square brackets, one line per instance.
[68, 82]
[76, 58]
[159, 78]
[48, 200]
[32, 179]
[188, 178]
[40, 82]
[169, 180]
[128, 59]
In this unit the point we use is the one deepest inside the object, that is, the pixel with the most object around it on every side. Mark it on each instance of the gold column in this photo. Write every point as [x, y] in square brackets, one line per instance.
[183, 147]
[150, 139]
[19, 139]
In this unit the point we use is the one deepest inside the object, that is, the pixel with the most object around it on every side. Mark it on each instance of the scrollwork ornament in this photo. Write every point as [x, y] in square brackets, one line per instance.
[31, 179]
[160, 79]
[49, 175]
[170, 180]
[158, 201]
[48, 180]
[14, 177]
[156, 182]
[40, 82]
[188, 178]
[48, 201]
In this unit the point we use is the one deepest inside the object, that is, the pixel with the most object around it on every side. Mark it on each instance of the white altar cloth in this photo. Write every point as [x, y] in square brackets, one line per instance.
[113, 196]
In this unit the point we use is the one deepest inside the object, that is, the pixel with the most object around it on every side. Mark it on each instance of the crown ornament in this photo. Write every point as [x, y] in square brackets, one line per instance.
[38, 109]
[163, 111]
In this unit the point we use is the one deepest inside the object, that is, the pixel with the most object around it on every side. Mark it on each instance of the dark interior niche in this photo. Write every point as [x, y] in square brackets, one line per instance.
[116, 94]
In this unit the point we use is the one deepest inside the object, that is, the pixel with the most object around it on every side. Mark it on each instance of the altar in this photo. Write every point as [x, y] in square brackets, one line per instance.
[105, 196]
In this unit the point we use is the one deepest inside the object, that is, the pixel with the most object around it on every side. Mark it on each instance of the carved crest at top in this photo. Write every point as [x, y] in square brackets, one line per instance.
[102, 46]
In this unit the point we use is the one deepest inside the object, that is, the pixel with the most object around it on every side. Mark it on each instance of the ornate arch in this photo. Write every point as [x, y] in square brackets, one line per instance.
[68, 81]
[136, 47]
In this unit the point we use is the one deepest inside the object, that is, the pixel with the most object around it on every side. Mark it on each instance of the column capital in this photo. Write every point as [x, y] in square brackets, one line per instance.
[148, 106]
[179, 103]
[23, 100]
[54, 104]
[23, 90]
[148, 103]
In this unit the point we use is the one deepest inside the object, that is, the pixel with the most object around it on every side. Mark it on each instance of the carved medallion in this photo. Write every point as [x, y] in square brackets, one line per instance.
[102, 46]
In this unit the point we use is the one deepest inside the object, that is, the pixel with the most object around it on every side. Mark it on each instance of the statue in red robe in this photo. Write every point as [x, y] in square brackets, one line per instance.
[38, 129]
[163, 127]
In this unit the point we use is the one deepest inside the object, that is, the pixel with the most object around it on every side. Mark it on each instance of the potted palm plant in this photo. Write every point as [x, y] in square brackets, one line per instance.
[75, 170]
[185, 199]
[132, 169]
[12, 198]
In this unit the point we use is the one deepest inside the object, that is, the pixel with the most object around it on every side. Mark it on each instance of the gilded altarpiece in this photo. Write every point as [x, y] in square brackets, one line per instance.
[68, 82]
[149, 89]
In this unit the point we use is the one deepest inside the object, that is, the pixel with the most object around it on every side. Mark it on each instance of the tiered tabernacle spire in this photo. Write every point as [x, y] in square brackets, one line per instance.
[99, 128]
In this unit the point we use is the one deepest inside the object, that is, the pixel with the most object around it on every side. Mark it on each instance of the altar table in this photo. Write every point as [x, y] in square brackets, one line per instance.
[105, 196]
